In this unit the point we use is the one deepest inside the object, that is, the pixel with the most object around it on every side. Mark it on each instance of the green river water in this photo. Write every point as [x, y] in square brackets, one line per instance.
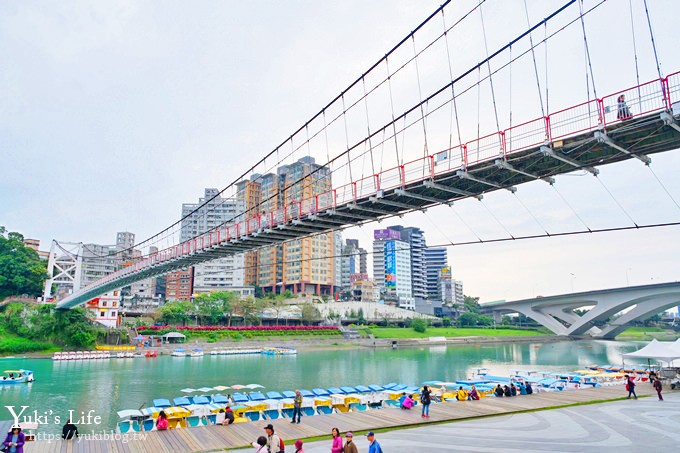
[107, 386]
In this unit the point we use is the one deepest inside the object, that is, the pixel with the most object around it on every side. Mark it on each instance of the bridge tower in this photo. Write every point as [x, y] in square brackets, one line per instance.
[64, 267]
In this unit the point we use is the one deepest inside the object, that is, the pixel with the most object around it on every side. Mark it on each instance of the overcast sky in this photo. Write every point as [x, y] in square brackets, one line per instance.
[113, 114]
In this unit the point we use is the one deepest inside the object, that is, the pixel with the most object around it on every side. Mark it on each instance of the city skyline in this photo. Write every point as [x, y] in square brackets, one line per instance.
[135, 157]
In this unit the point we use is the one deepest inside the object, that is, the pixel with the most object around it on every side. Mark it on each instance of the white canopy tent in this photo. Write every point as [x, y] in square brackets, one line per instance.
[663, 351]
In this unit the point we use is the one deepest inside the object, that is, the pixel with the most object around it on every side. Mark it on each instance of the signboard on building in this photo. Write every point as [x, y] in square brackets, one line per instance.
[357, 277]
[386, 234]
[446, 272]
[390, 264]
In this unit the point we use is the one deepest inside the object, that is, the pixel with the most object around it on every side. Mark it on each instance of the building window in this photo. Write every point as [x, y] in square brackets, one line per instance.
[114, 304]
[102, 314]
[113, 314]
[104, 304]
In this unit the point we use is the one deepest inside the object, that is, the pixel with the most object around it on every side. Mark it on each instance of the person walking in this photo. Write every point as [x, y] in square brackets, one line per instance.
[630, 386]
[350, 446]
[373, 445]
[297, 406]
[657, 387]
[273, 439]
[298, 446]
[425, 400]
[336, 447]
[14, 442]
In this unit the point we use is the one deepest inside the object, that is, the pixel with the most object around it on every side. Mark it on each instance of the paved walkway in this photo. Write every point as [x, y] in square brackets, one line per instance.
[645, 425]
[214, 438]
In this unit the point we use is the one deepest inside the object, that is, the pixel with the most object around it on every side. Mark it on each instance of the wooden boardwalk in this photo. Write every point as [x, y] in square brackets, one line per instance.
[211, 438]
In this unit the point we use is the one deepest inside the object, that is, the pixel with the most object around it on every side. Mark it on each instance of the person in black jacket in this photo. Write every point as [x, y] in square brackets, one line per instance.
[69, 431]
[425, 400]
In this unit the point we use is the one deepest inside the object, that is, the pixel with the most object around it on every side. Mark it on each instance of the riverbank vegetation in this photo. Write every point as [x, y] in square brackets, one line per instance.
[213, 334]
[31, 328]
[400, 332]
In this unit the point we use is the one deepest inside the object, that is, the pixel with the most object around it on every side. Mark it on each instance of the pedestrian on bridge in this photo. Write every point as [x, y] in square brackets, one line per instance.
[623, 110]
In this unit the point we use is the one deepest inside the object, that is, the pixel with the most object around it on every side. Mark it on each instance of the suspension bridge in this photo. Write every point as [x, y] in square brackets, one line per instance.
[430, 167]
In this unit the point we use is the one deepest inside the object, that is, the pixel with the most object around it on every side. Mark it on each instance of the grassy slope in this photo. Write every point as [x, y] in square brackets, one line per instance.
[397, 332]
[12, 344]
[648, 333]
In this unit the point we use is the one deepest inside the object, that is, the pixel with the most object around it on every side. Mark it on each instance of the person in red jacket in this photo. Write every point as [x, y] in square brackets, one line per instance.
[657, 387]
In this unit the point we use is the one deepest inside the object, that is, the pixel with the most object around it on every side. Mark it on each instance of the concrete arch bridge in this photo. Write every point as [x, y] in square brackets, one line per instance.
[636, 303]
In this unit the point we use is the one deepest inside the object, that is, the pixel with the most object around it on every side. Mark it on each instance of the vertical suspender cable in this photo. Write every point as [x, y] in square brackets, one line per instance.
[533, 56]
[488, 65]
[420, 98]
[656, 55]
[394, 124]
[545, 44]
[632, 32]
[344, 118]
[368, 127]
[587, 51]
[454, 107]
[651, 35]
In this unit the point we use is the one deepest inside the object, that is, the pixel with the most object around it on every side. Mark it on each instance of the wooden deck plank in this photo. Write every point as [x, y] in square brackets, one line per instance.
[210, 438]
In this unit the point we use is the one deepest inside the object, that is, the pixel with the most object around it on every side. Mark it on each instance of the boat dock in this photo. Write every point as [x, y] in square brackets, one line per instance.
[215, 438]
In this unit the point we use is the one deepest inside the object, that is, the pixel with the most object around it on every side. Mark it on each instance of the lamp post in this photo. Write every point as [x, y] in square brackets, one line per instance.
[573, 276]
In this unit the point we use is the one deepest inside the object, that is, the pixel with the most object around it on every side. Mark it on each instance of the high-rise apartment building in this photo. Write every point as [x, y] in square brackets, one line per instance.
[210, 212]
[435, 260]
[98, 261]
[415, 239]
[392, 270]
[179, 285]
[250, 193]
[353, 263]
[301, 265]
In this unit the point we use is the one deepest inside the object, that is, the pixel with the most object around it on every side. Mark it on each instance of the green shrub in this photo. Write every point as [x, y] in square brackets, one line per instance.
[419, 325]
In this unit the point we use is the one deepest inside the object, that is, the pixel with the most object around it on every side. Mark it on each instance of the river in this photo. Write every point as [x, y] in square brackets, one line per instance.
[101, 388]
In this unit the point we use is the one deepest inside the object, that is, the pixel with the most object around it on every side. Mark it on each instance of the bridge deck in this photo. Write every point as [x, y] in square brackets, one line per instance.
[213, 438]
[562, 142]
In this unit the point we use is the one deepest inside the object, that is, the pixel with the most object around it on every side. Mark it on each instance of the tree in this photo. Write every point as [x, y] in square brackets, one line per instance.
[215, 305]
[249, 308]
[21, 269]
[278, 305]
[419, 325]
[484, 320]
[309, 313]
[176, 312]
[360, 316]
[446, 321]
[468, 319]
[471, 304]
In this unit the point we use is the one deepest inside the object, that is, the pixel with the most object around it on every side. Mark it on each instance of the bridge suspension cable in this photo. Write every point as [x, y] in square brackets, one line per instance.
[403, 116]
[393, 123]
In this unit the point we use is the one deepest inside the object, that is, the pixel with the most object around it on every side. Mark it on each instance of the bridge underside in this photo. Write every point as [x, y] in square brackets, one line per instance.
[557, 312]
[636, 138]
